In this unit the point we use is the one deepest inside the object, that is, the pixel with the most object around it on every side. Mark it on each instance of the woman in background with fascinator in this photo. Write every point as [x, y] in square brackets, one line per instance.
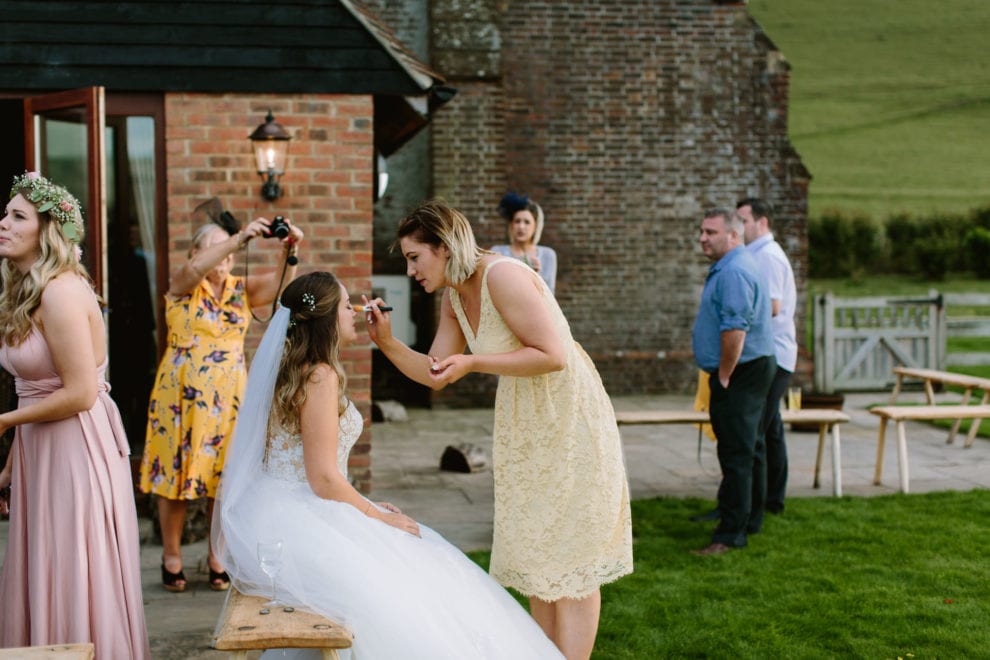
[400, 587]
[72, 569]
[525, 227]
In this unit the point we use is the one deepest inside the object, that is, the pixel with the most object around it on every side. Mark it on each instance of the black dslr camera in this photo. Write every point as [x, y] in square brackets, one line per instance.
[278, 229]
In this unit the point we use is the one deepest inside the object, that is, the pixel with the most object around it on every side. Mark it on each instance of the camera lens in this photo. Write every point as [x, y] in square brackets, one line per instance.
[278, 228]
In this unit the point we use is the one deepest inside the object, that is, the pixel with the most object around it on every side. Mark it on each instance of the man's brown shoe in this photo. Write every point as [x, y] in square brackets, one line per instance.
[713, 549]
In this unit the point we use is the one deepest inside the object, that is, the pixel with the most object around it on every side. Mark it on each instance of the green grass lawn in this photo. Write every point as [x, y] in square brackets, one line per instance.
[881, 577]
[889, 102]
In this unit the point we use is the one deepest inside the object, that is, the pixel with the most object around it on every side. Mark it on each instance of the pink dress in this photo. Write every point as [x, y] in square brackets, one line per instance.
[72, 569]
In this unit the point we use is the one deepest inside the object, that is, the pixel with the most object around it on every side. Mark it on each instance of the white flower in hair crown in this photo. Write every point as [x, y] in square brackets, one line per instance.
[53, 199]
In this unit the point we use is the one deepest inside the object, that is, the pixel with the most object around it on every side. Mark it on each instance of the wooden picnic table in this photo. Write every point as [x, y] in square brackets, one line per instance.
[931, 377]
[83, 651]
[826, 419]
[900, 414]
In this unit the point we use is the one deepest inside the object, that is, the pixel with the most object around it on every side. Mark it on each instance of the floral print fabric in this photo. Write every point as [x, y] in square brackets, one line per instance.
[197, 391]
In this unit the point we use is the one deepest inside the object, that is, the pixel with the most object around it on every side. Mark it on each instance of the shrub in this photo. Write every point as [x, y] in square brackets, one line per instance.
[901, 231]
[976, 247]
[840, 244]
[980, 217]
[934, 255]
[864, 245]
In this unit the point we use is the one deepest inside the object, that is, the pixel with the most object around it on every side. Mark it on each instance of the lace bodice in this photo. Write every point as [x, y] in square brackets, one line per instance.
[284, 451]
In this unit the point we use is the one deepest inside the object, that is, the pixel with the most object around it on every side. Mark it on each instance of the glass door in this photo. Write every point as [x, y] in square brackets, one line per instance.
[64, 140]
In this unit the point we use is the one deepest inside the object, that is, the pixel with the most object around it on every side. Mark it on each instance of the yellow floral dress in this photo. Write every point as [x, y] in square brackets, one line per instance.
[197, 391]
[562, 520]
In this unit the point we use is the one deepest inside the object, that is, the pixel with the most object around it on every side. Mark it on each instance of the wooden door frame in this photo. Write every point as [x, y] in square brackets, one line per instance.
[92, 99]
[152, 105]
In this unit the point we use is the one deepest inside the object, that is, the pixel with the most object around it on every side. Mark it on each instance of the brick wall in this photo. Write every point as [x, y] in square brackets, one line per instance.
[327, 192]
[624, 119]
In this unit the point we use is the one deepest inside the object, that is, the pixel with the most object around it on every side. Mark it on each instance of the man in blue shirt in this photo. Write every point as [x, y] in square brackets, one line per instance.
[733, 341]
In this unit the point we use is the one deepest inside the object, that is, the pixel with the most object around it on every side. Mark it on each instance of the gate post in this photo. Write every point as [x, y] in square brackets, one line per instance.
[940, 332]
[824, 325]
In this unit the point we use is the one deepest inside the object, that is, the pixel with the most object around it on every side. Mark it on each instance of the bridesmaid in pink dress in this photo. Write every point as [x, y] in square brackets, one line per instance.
[71, 572]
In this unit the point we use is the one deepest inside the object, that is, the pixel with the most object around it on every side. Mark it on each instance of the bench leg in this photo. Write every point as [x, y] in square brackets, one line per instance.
[955, 424]
[902, 457]
[897, 389]
[929, 392]
[818, 456]
[330, 654]
[836, 462]
[237, 655]
[974, 426]
[881, 437]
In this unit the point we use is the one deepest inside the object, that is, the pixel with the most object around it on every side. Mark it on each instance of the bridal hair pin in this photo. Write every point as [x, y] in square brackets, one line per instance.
[309, 299]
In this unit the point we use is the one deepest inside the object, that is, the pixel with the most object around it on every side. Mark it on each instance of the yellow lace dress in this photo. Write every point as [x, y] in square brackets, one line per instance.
[562, 520]
[197, 392]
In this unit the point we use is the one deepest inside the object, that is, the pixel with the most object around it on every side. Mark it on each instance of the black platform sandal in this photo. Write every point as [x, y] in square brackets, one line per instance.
[174, 582]
[219, 580]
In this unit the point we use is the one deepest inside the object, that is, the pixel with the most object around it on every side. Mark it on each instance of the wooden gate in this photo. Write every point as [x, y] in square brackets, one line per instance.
[858, 341]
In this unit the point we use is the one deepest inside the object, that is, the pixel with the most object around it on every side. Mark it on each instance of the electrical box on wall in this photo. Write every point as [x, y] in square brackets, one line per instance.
[394, 290]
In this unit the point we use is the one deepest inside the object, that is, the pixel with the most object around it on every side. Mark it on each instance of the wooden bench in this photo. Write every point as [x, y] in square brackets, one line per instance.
[243, 628]
[900, 414]
[84, 651]
[825, 419]
[931, 376]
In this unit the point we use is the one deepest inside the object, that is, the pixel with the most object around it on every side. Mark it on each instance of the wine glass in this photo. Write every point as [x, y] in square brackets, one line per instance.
[270, 560]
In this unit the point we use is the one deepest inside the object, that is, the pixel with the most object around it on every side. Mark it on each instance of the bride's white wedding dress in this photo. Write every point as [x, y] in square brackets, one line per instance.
[401, 596]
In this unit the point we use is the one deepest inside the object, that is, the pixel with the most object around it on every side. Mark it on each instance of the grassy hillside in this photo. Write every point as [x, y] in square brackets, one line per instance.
[890, 101]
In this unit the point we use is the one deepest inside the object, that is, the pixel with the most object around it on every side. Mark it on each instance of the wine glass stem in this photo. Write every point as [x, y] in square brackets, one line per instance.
[272, 580]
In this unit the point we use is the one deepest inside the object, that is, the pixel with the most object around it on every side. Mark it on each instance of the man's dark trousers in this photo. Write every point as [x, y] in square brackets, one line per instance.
[773, 430]
[737, 414]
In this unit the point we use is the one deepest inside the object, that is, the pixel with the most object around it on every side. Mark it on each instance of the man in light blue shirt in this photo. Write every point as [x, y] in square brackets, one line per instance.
[756, 217]
[733, 341]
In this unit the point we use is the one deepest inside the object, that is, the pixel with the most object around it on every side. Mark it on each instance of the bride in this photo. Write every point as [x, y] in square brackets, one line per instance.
[398, 586]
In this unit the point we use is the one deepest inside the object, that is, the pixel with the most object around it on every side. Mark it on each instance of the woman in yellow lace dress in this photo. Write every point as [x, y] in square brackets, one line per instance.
[562, 521]
[201, 376]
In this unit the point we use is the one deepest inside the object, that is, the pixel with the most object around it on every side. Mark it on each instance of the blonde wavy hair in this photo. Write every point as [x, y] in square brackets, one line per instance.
[312, 338]
[436, 223]
[21, 295]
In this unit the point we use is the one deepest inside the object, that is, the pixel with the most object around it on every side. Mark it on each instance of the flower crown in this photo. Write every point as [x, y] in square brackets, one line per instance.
[52, 198]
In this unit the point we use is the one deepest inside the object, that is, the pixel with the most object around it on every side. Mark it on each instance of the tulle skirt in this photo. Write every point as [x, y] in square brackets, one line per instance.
[400, 595]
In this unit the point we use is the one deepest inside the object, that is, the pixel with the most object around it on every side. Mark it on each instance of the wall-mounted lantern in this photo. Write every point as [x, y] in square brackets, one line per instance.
[271, 145]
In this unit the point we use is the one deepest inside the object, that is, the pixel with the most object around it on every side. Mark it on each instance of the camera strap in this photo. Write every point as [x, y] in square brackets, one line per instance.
[278, 289]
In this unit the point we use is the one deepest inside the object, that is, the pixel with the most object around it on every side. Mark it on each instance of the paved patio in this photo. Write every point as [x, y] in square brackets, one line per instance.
[661, 461]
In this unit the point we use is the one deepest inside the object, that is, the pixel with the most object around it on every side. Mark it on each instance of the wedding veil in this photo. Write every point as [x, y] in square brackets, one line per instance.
[245, 459]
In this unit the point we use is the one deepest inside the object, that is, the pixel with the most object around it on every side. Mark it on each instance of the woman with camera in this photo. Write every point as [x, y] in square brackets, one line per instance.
[201, 377]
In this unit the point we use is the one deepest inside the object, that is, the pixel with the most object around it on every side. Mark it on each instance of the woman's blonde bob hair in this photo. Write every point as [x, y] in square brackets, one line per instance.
[436, 223]
[21, 294]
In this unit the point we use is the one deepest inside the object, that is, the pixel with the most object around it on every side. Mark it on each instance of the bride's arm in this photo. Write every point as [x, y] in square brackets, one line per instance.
[319, 425]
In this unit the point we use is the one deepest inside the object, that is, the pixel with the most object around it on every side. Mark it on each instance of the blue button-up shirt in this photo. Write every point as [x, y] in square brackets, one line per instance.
[734, 298]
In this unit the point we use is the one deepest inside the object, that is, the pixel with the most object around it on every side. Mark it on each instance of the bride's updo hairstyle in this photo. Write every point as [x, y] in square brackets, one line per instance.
[435, 223]
[312, 339]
